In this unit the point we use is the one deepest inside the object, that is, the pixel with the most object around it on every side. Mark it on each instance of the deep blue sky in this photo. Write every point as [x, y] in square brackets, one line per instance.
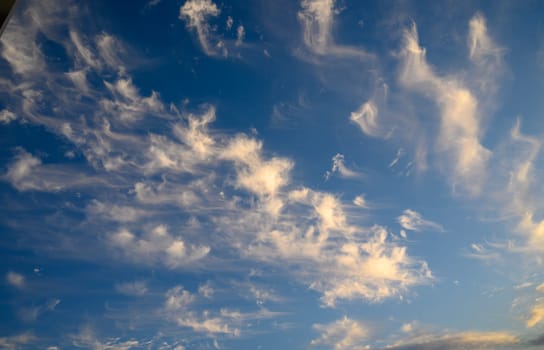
[311, 174]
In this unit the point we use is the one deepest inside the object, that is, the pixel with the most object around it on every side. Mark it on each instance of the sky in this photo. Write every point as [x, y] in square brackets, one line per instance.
[313, 174]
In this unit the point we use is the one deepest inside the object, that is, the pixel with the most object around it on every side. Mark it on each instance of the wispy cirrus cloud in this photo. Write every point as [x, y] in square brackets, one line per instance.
[460, 131]
[133, 288]
[17, 341]
[196, 14]
[414, 221]
[317, 20]
[180, 307]
[339, 166]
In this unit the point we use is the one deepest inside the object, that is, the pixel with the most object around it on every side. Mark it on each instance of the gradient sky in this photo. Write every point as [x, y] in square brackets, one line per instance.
[284, 174]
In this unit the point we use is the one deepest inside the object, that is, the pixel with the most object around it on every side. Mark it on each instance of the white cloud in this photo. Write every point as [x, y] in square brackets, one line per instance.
[460, 131]
[240, 35]
[536, 315]
[485, 54]
[413, 221]
[110, 51]
[229, 23]
[178, 298]
[20, 170]
[30, 314]
[87, 339]
[343, 334]
[181, 308]
[7, 116]
[152, 3]
[157, 247]
[84, 53]
[461, 340]
[206, 290]
[317, 19]
[27, 173]
[18, 341]
[127, 103]
[244, 193]
[263, 178]
[15, 279]
[119, 213]
[335, 258]
[338, 166]
[398, 156]
[366, 117]
[360, 201]
[196, 14]
[133, 288]
[19, 47]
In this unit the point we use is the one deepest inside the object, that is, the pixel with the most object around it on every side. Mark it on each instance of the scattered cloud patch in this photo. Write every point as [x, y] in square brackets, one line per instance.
[133, 288]
[15, 279]
[536, 315]
[343, 334]
[156, 247]
[196, 13]
[413, 221]
[7, 116]
[240, 35]
[339, 166]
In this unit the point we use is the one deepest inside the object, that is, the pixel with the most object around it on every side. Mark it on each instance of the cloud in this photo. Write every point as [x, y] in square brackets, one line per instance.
[156, 247]
[240, 35]
[31, 314]
[15, 279]
[181, 307]
[360, 201]
[229, 22]
[413, 221]
[325, 246]
[229, 182]
[19, 47]
[206, 290]
[20, 170]
[462, 340]
[536, 315]
[133, 288]
[317, 20]
[118, 213]
[460, 130]
[7, 116]
[264, 178]
[339, 167]
[196, 13]
[14, 342]
[485, 54]
[27, 173]
[366, 117]
[87, 339]
[343, 334]
[177, 298]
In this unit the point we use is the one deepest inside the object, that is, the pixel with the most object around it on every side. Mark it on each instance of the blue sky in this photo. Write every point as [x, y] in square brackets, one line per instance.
[311, 174]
